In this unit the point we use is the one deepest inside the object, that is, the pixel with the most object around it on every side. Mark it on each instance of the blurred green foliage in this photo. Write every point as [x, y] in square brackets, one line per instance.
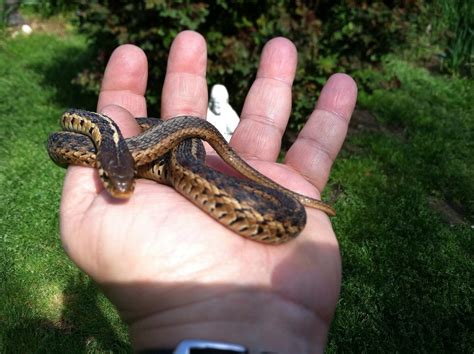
[457, 19]
[330, 36]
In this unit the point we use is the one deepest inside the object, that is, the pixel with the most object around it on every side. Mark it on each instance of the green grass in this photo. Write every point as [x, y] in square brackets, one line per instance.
[405, 217]
[405, 206]
[46, 304]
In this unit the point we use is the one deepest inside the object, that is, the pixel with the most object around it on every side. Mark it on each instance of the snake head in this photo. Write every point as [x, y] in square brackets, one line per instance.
[117, 175]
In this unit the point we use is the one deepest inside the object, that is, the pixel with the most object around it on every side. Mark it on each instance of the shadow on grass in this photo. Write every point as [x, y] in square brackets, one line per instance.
[82, 326]
[404, 277]
[405, 270]
[60, 72]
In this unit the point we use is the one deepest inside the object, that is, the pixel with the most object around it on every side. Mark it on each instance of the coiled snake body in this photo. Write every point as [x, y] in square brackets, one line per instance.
[171, 152]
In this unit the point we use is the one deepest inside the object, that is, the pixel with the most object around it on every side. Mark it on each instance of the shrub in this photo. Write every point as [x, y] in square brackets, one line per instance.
[330, 36]
[457, 20]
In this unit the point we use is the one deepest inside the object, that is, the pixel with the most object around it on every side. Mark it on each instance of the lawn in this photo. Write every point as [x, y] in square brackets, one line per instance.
[46, 304]
[406, 216]
[404, 191]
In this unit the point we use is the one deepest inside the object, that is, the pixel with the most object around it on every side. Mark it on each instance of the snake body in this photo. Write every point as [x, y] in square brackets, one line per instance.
[171, 152]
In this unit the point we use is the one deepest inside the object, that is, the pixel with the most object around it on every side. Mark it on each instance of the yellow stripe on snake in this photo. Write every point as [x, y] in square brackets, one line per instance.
[171, 152]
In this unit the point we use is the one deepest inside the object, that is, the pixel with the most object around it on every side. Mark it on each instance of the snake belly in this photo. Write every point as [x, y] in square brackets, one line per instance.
[171, 152]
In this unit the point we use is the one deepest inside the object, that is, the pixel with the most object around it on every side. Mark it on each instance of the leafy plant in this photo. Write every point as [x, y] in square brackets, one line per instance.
[458, 20]
[330, 36]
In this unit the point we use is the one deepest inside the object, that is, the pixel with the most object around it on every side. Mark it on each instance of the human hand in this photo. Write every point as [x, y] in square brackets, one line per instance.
[171, 270]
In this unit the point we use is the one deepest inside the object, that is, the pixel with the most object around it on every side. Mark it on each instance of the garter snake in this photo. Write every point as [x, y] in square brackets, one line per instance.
[171, 152]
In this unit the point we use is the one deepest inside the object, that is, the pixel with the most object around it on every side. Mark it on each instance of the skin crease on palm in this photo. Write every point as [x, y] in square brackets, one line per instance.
[171, 270]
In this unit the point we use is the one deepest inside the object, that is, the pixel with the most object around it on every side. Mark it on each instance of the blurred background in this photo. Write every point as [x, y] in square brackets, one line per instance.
[403, 184]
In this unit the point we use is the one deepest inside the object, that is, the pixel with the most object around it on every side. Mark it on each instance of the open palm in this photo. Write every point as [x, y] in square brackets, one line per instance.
[157, 253]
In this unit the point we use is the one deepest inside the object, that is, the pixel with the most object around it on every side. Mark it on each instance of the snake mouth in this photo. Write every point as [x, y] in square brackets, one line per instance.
[119, 185]
[120, 195]
[122, 189]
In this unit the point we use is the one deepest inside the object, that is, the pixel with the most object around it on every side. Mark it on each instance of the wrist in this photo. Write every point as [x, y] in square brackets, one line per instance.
[257, 319]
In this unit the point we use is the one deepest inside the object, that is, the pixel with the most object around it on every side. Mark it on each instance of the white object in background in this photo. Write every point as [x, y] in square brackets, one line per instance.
[220, 113]
[26, 29]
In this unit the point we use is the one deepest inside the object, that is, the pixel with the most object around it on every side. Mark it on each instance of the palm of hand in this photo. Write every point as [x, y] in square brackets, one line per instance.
[159, 237]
